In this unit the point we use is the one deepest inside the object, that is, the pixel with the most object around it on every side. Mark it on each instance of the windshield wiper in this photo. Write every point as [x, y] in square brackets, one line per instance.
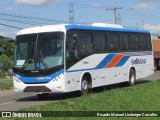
[42, 59]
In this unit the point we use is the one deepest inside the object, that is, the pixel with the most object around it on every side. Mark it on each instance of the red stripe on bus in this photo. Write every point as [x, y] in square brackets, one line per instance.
[114, 61]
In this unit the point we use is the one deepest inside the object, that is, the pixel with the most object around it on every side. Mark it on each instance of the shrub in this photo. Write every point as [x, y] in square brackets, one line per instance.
[5, 63]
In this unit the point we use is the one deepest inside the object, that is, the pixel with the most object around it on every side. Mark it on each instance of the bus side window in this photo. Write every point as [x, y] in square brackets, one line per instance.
[71, 47]
[113, 42]
[135, 42]
[124, 40]
[85, 44]
[149, 45]
[100, 44]
[74, 47]
[143, 42]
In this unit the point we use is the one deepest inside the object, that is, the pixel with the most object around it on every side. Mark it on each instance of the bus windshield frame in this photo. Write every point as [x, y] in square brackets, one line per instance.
[39, 51]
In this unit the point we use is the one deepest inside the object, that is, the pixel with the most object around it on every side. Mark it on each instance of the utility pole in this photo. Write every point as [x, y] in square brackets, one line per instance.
[71, 13]
[115, 13]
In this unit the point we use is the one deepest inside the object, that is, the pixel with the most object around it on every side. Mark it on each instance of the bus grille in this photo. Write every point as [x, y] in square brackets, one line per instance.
[36, 89]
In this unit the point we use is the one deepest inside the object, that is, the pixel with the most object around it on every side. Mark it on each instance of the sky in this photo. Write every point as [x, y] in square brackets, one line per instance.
[18, 14]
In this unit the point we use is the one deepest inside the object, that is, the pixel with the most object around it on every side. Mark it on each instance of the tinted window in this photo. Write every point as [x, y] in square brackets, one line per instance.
[149, 46]
[135, 42]
[72, 55]
[143, 42]
[124, 38]
[113, 42]
[85, 43]
[100, 42]
[71, 46]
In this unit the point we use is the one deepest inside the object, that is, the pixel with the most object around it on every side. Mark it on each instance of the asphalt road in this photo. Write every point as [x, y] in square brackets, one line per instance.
[11, 101]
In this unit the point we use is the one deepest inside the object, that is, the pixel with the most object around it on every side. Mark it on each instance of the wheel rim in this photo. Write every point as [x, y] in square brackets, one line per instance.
[132, 78]
[85, 86]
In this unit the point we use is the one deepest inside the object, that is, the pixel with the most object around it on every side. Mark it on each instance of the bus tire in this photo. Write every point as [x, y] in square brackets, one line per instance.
[132, 77]
[85, 85]
[43, 96]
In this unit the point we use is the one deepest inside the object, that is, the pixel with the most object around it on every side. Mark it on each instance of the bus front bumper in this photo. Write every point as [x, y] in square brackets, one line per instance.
[50, 87]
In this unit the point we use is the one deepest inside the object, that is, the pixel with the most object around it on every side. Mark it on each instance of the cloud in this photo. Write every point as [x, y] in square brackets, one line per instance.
[153, 28]
[97, 5]
[9, 9]
[37, 2]
[2, 27]
[145, 5]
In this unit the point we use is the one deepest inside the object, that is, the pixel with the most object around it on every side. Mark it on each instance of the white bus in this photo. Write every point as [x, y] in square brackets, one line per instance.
[65, 58]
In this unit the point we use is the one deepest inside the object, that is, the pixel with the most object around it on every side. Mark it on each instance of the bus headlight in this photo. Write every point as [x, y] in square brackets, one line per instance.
[16, 79]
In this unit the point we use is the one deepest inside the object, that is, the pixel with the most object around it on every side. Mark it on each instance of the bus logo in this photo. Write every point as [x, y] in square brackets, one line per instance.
[138, 61]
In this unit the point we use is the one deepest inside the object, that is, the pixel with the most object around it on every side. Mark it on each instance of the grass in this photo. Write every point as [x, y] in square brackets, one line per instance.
[5, 83]
[142, 97]
[2, 77]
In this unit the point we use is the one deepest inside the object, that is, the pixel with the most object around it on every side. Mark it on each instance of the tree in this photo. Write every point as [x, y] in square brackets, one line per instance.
[7, 46]
[10, 49]
[5, 63]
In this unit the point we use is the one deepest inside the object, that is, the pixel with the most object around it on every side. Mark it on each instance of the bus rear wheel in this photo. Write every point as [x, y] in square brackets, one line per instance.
[132, 77]
[43, 96]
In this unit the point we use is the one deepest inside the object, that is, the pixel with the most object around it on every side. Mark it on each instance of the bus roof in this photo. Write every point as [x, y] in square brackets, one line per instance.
[67, 27]
[41, 29]
[99, 28]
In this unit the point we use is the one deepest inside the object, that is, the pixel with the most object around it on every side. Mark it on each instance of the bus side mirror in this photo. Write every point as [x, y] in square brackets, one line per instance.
[74, 43]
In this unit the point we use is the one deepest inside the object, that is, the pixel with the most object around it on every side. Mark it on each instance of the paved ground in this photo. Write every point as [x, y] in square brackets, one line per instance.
[155, 76]
[10, 101]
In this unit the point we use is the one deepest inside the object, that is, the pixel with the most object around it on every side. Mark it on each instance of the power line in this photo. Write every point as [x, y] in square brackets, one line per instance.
[10, 26]
[19, 21]
[29, 17]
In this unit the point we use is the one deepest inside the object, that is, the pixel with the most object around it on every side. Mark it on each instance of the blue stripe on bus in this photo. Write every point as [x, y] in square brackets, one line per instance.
[82, 27]
[101, 65]
[42, 79]
[109, 58]
[122, 61]
[105, 61]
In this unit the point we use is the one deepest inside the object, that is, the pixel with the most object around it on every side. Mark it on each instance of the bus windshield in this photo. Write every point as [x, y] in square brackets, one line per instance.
[39, 51]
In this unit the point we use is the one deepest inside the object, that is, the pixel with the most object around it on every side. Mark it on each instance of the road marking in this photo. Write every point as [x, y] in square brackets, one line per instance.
[6, 103]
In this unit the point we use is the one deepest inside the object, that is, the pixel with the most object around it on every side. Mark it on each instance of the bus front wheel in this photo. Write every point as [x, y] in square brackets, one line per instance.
[132, 77]
[85, 85]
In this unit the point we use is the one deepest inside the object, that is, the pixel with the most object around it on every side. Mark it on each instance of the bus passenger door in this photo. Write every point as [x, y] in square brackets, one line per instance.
[71, 50]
